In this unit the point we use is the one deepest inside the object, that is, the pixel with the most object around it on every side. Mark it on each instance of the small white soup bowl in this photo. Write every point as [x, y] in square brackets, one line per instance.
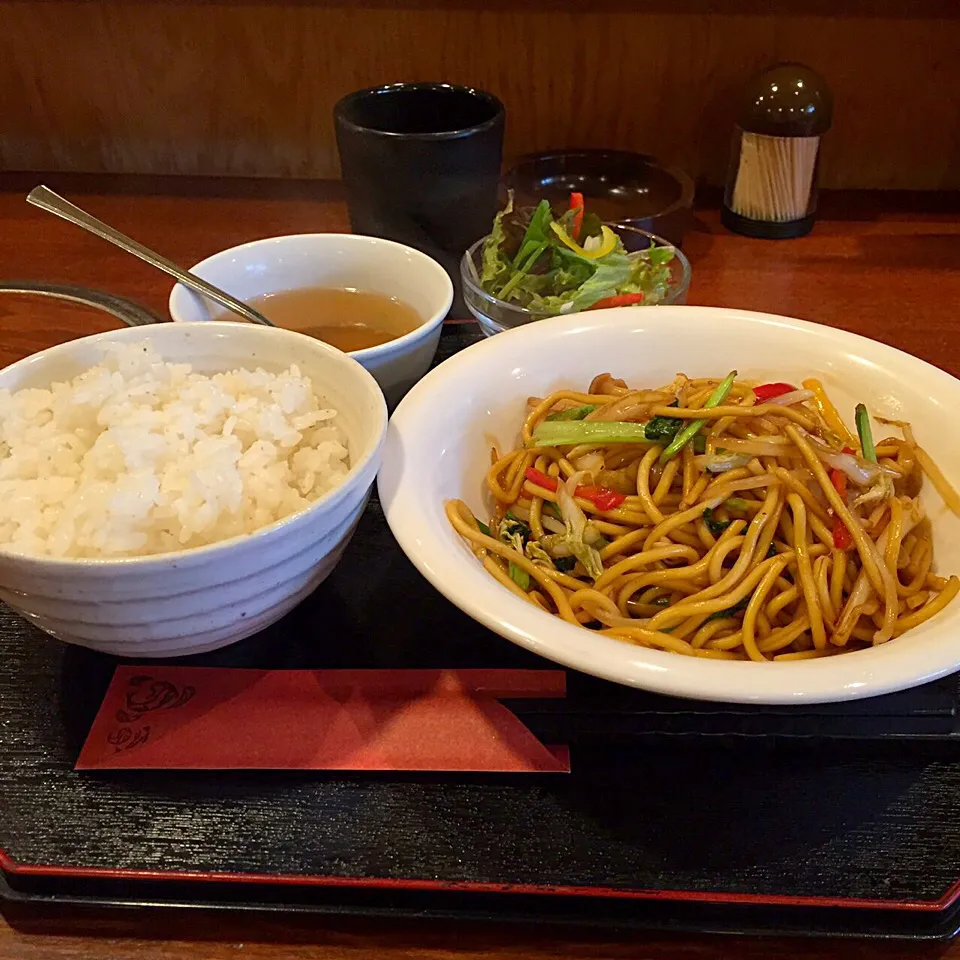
[335, 260]
[189, 601]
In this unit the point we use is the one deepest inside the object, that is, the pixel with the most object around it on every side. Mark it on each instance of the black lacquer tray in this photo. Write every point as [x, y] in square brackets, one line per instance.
[681, 815]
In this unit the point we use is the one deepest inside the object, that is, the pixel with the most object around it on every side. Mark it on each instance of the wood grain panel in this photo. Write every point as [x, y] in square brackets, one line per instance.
[246, 88]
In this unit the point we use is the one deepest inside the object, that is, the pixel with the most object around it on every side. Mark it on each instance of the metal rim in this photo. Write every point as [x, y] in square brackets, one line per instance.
[130, 313]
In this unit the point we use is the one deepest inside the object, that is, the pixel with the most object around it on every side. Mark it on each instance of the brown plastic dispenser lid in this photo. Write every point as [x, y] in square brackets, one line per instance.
[788, 100]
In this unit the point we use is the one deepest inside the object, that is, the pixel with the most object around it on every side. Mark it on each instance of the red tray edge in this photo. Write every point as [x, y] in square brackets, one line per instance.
[11, 867]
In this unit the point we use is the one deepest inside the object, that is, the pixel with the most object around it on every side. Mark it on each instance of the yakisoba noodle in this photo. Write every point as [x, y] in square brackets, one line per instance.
[714, 518]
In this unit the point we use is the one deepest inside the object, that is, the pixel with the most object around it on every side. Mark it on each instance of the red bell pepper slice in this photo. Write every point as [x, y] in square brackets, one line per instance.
[620, 300]
[603, 498]
[841, 535]
[769, 391]
[576, 204]
[541, 479]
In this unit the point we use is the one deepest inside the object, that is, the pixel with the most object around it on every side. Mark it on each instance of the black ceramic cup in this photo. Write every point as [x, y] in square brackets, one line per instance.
[420, 163]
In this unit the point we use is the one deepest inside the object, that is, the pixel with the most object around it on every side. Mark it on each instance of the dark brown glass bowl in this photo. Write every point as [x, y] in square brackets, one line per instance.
[617, 185]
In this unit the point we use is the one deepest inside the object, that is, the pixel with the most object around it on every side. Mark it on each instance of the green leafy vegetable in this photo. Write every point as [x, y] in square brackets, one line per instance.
[520, 274]
[552, 509]
[577, 530]
[514, 532]
[564, 564]
[716, 527]
[519, 576]
[664, 429]
[535, 242]
[535, 552]
[483, 527]
[650, 274]
[736, 503]
[537, 235]
[695, 426]
[525, 262]
[561, 433]
[866, 434]
[573, 413]
[495, 269]
[730, 611]
[606, 281]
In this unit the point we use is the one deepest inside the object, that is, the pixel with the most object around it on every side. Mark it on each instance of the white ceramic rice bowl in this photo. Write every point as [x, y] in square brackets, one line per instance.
[438, 448]
[195, 600]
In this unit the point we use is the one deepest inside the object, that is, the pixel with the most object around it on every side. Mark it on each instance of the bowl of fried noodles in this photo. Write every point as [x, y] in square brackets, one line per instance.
[702, 502]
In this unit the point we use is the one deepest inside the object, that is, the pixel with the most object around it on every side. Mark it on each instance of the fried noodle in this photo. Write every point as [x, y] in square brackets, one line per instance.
[709, 519]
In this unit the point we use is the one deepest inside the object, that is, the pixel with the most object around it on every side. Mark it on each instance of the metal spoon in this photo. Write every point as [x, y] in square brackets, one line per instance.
[46, 199]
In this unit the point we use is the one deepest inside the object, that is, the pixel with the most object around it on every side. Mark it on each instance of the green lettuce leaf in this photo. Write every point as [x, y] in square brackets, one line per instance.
[650, 273]
[495, 265]
[525, 262]
[537, 235]
[570, 274]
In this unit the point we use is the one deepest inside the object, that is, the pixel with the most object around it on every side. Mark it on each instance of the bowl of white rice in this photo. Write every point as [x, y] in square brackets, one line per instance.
[171, 489]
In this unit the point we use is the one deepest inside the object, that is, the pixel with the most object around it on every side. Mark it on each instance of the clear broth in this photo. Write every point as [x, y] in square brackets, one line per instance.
[346, 318]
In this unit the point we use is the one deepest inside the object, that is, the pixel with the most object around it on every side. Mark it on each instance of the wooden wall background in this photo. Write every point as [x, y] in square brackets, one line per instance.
[246, 88]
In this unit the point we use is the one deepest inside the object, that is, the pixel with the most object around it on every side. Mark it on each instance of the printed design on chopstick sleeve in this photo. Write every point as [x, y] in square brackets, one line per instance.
[126, 737]
[145, 695]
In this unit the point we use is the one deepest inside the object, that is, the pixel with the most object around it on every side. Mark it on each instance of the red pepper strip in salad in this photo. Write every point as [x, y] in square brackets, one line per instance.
[576, 204]
[768, 391]
[842, 539]
[620, 300]
[603, 498]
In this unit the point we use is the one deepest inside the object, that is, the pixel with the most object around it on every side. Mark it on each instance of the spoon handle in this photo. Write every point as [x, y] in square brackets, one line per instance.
[46, 199]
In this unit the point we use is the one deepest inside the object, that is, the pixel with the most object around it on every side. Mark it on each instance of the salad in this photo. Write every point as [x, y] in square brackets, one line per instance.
[557, 265]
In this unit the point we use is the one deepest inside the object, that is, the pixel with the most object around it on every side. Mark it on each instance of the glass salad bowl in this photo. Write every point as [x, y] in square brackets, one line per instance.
[495, 315]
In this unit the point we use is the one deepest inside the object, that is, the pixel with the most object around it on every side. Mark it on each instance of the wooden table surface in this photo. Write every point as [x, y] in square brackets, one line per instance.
[883, 265]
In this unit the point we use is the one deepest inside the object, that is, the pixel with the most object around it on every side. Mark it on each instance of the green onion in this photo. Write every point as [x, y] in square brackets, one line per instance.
[561, 433]
[573, 413]
[694, 427]
[519, 576]
[866, 434]
[483, 527]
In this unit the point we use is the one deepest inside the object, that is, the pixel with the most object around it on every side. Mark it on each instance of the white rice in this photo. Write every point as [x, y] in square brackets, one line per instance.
[137, 456]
